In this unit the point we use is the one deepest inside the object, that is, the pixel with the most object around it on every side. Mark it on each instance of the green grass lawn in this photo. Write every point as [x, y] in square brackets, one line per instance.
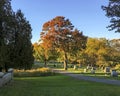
[58, 85]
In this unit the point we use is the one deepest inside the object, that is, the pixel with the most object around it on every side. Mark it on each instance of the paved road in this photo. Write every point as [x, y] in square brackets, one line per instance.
[89, 78]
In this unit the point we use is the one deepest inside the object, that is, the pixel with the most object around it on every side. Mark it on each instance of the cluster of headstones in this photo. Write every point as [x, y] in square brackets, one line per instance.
[92, 69]
[75, 67]
[107, 70]
[113, 72]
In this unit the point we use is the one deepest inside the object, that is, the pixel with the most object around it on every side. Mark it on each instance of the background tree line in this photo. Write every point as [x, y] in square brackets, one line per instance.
[59, 34]
[98, 52]
[15, 38]
[59, 41]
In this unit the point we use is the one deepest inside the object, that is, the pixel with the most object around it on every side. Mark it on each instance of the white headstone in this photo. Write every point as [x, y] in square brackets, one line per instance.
[114, 73]
[107, 69]
[85, 70]
[1, 74]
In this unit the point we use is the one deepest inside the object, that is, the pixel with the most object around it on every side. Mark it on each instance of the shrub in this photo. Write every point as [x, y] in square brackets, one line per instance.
[117, 67]
[33, 72]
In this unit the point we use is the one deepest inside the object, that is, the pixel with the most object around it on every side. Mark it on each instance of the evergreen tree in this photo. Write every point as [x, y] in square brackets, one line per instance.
[23, 45]
[5, 32]
[113, 12]
[15, 38]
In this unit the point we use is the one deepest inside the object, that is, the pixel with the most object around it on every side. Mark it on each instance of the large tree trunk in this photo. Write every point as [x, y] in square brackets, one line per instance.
[45, 62]
[65, 61]
[1, 69]
[6, 68]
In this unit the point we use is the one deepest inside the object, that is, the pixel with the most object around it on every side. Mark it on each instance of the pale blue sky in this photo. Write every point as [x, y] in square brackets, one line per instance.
[85, 15]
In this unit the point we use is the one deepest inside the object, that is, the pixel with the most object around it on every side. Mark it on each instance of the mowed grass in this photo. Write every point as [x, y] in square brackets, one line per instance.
[59, 85]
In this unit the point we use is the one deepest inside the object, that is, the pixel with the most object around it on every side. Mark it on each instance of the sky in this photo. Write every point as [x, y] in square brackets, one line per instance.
[86, 15]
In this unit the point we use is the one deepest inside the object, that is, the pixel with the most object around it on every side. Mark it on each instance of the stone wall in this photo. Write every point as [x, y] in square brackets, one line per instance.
[6, 78]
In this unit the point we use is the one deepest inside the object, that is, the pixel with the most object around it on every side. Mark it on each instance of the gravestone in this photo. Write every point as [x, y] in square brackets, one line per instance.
[88, 67]
[75, 67]
[85, 70]
[114, 73]
[1, 74]
[93, 70]
[80, 65]
[107, 69]
[10, 70]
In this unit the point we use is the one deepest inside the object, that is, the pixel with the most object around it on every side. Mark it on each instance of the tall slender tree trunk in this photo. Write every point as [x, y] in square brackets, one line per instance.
[6, 67]
[45, 61]
[65, 61]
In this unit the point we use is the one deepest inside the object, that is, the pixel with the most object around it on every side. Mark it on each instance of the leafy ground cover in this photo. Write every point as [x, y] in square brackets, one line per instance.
[58, 85]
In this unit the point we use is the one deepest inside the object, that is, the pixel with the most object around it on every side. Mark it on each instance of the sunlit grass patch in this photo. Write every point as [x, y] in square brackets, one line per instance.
[33, 72]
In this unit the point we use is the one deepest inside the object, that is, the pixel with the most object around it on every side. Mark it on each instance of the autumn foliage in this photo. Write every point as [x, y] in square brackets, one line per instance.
[59, 33]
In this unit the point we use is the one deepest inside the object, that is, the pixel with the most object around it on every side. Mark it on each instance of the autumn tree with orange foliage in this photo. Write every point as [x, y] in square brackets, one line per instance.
[59, 33]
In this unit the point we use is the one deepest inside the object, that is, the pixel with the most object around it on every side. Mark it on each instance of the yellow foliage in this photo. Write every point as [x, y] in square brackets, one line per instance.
[117, 67]
[35, 70]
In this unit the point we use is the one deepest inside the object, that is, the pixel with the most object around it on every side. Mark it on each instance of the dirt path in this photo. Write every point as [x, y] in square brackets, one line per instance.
[88, 78]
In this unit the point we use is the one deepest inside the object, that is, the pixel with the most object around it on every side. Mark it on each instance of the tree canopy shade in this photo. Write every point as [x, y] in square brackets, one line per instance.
[113, 12]
[59, 33]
